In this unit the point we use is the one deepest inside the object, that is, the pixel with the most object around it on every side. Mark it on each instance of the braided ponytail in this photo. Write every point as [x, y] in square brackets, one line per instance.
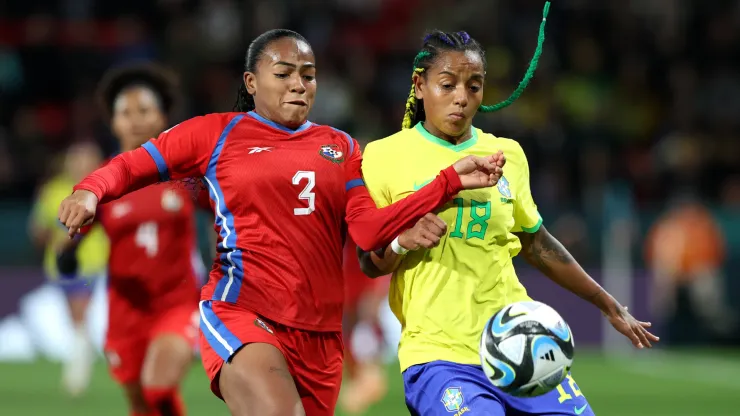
[437, 42]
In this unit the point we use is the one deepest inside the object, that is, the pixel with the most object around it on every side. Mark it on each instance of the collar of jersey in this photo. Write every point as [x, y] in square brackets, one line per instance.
[444, 143]
[280, 127]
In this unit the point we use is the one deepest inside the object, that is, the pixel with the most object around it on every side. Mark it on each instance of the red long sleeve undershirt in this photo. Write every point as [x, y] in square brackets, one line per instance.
[371, 228]
[125, 173]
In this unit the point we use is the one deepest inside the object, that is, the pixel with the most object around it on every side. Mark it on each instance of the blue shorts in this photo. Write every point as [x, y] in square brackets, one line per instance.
[77, 286]
[450, 389]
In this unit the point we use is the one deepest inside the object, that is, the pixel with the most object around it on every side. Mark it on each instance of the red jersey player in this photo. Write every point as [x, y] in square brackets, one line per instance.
[282, 189]
[153, 288]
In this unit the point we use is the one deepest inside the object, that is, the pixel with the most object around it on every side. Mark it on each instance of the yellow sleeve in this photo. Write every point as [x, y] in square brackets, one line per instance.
[41, 213]
[526, 216]
[374, 175]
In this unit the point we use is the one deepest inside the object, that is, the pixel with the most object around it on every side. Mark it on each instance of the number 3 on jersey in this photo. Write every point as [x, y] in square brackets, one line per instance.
[147, 238]
[307, 192]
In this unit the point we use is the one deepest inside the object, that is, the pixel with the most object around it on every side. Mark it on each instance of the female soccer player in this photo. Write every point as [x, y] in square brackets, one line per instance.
[153, 285]
[282, 189]
[443, 293]
[79, 161]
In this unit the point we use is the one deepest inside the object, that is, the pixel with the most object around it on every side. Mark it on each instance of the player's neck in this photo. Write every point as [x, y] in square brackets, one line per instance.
[455, 140]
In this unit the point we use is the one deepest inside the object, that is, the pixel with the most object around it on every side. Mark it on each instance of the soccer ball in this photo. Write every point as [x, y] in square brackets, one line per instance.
[526, 349]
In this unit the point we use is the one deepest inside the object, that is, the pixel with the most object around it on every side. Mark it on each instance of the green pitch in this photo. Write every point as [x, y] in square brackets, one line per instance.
[660, 384]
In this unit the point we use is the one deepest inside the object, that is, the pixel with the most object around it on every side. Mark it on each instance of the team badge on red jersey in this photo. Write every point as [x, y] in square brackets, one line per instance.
[331, 153]
[171, 201]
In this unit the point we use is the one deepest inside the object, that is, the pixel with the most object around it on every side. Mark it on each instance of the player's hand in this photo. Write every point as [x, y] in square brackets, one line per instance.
[425, 234]
[633, 329]
[78, 210]
[480, 172]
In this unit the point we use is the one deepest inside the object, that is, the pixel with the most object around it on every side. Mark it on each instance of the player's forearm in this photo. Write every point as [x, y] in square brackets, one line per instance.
[124, 174]
[378, 263]
[372, 228]
[548, 255]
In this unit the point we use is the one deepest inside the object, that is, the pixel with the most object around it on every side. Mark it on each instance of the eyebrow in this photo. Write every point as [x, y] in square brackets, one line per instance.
[307, 65]
[476, 75]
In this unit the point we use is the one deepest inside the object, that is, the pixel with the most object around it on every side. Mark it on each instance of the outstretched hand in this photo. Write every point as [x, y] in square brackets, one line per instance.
[480, 172]
[633, 329]
[77, 211]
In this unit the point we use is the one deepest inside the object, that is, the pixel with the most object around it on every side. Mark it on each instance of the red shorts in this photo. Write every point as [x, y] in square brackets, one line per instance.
[126, 352]
[314, 358]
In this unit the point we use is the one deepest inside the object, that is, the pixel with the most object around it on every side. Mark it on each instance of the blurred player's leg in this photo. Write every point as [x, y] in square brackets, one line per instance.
[245, 363]
[367, 382]
[77, 369]
[125, 357]
[168, 359]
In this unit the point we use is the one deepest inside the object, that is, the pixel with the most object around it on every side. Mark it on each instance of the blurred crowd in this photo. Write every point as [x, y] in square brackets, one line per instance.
[639, 92]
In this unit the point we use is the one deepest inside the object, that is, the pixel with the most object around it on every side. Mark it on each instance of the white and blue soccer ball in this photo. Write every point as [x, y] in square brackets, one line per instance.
[526, 349]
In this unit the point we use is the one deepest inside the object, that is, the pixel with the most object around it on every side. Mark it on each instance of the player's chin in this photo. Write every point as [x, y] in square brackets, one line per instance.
[455, 126]
[295, 114]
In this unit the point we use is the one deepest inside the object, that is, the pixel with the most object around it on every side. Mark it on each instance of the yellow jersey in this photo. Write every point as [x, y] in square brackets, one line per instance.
[92, 254]
[443, 297]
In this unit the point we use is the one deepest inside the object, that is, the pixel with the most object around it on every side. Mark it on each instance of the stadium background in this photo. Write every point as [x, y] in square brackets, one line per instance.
[634, 108]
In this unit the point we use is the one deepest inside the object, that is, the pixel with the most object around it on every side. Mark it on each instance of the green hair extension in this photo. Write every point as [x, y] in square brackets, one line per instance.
[419, 56]
[530, 71]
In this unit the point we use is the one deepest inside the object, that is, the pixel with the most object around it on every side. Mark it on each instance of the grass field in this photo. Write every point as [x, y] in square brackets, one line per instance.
[658, 384]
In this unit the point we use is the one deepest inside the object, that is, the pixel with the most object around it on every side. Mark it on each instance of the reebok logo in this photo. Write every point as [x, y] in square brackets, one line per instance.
[253, 150]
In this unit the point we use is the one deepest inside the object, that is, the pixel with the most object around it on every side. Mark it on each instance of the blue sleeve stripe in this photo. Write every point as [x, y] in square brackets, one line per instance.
[349, 139]
[354, 183]
[164, 174]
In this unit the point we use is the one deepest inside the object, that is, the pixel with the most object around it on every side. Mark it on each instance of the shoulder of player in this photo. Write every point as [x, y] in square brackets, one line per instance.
[389, 145]
[511, 148]
[334, 136]
[212, 122]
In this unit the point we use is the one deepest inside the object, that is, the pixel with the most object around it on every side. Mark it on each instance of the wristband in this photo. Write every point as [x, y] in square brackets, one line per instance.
[397, 248]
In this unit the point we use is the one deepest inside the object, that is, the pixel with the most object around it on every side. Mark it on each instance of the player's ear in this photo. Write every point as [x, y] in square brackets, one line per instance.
[250, 82]
[418, 82]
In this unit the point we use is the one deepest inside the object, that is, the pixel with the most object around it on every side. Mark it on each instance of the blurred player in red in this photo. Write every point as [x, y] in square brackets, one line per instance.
[363, 335]
[153, 283]
[283, 190]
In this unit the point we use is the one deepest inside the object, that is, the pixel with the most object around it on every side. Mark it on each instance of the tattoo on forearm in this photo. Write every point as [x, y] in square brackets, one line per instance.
[542, 250]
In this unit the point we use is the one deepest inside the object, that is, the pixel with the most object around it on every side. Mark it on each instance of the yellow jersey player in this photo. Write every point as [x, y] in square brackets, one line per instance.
[453, 271]
[47, 232]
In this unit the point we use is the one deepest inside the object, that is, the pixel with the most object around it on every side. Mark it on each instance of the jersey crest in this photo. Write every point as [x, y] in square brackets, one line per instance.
[171, 201]
[452, 399]
[331, 153]
[503, 187]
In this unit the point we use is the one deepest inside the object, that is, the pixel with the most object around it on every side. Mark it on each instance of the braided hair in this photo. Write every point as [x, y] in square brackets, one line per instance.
[245, 100]
[437, 42]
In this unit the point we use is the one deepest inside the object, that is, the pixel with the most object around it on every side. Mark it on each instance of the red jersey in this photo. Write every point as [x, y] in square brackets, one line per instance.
[281, 198]
[152, 236]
